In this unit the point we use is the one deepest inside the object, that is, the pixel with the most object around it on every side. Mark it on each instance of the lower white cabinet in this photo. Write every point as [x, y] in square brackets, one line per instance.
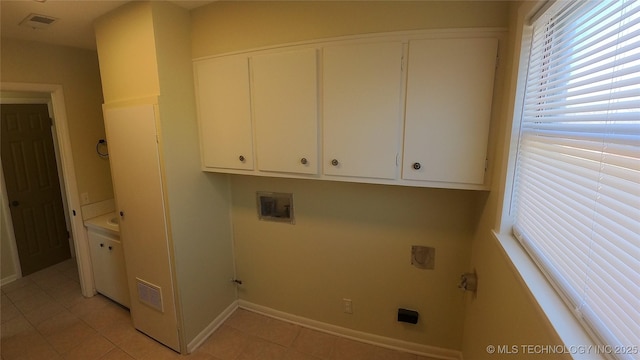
[109, 270]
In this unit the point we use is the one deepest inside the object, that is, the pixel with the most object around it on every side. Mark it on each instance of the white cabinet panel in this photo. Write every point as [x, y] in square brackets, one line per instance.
[109, 270]
[284, 95]
[224, 113]
[138, 188]
[361, 109]
[448, 109]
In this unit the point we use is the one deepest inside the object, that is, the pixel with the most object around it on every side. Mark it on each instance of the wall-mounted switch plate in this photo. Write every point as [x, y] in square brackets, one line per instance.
[347, 306]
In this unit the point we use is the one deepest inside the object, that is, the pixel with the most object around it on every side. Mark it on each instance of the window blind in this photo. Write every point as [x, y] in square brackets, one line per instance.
[577, 182]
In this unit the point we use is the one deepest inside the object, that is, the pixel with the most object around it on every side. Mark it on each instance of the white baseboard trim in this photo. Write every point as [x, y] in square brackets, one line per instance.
[9, 279]
[213, 326]
[390, 343]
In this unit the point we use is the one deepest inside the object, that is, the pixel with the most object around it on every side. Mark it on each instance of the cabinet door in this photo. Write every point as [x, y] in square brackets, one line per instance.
[138, 188]
[284, 94]
[448, 110]
[361, 109]
[224, 113]
[109, 270]
[97, 260]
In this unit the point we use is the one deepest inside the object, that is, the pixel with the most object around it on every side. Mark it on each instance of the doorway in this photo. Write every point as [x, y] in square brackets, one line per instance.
[79, 245]
[33, 186]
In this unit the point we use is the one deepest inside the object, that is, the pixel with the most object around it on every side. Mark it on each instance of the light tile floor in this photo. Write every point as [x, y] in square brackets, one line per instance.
[45, 316]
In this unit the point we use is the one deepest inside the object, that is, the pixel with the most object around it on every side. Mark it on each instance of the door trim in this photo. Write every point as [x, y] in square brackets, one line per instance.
[80, 240]
[13, 248]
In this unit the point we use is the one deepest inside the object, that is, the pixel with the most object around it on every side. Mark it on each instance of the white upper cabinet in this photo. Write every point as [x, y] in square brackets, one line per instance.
[224, 112]
[361, 109]
[285, 111]
[410, 109]
[448, 109]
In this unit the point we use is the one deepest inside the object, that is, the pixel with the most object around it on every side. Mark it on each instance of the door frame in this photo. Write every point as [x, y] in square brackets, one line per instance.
[45, 99]
[70, 185]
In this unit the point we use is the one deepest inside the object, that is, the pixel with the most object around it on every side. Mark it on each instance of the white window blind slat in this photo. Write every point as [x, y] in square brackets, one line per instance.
[571, 248]
[572, 227]
[585, 87]
[595, 63]
[600, 288]
[587, 95]
[610, 310]
[607, 256]
[594, 50]
[577, 184]
[619, 120]
[570, 287]
[581, 22]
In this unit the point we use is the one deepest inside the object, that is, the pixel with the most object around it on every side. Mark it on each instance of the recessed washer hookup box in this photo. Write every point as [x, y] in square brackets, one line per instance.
[275, 206]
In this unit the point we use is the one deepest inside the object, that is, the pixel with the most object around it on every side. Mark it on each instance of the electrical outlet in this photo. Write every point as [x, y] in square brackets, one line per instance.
[347, 306]
[84, 198]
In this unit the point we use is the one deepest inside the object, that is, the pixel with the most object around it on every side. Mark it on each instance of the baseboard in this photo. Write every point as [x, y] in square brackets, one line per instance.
[390, 343]
[213, 326]
[9, 279]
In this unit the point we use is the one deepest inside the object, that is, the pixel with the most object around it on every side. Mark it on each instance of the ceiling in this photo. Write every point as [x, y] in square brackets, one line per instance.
[74, 24]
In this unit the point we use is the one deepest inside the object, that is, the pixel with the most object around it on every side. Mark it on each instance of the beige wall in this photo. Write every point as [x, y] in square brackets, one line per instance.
[354, 241]
[350, 240]
[77, 71]
[128, 63]
[198, 202]
[228, 26]
[504, 311]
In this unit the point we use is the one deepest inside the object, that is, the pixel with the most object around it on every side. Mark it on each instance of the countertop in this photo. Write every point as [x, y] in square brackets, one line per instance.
[107, 222]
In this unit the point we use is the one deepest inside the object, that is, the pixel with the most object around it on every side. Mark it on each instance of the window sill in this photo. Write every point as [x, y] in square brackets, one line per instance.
[577, 341]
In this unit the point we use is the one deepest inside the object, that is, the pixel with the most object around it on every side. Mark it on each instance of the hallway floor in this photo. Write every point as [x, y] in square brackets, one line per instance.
[45, 316]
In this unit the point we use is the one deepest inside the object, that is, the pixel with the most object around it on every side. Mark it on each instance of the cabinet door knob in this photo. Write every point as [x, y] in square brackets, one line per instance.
[335, 162]
[416, 166]
[121, 213]
[241, 158]
[110, 247]
[101, 245]
[303, 161]
[15, 203]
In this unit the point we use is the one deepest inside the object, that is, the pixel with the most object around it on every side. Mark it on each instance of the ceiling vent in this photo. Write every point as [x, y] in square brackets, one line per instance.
[36, 21]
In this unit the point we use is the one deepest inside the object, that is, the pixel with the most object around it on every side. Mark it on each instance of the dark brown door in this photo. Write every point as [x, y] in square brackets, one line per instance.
[33, 186]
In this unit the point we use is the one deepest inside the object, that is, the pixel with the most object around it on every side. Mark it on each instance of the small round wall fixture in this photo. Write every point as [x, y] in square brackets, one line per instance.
[101, 148]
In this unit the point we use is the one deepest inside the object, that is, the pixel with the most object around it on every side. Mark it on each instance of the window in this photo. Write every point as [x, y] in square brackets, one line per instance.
[576, 198]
